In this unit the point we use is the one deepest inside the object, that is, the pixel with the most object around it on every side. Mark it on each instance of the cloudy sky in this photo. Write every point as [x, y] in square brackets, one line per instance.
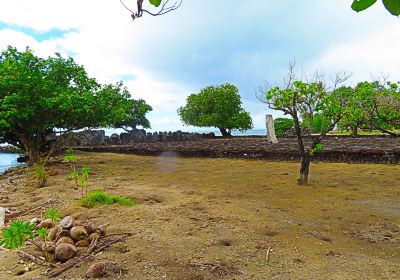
[247, 43]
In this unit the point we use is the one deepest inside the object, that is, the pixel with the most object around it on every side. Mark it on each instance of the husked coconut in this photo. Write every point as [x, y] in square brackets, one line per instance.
[93, 236]
[53, 232]
[48, 223]
[67, 222]
[82, 243]
[35, 221]
[65, 251]
[90, 227]
[65, 239]
[48, 247]
[78, 233]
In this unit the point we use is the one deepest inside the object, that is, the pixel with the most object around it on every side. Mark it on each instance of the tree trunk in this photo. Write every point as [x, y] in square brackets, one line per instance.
[224, 132]
[304, 170]
[304, 156]
[354, 130]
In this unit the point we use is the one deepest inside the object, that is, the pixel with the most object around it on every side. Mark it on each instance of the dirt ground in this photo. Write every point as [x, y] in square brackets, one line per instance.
[227, 219]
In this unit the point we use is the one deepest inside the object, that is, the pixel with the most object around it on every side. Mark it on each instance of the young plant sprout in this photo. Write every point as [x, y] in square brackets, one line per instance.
[43, 235]
[84, 179]
[53, 214]
[71, 159]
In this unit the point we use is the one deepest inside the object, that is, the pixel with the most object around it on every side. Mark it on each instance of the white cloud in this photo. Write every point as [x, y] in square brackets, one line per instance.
[366, 57]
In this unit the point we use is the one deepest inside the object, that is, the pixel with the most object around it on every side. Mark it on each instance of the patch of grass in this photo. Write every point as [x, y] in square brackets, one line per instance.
[98, 198]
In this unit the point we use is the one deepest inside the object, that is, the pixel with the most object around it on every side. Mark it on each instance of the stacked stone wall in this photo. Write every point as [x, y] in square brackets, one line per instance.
[365, 149]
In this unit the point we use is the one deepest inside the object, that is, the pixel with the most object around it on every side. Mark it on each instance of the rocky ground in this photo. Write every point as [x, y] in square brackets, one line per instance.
[224, 219]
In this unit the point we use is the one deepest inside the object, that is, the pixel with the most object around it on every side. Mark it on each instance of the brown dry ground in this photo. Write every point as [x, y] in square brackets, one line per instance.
[219, 218]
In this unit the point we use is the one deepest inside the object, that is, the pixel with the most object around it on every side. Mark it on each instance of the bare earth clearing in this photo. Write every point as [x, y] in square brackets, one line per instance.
[228, 219]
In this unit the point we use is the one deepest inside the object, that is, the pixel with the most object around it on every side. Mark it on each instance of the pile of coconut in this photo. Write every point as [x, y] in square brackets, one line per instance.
[68, 237]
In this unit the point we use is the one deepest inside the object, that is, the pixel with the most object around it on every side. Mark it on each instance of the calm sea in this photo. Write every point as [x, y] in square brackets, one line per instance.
[7, 161]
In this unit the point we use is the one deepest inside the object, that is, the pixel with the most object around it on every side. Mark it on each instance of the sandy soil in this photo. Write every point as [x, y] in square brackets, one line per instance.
[228, 219]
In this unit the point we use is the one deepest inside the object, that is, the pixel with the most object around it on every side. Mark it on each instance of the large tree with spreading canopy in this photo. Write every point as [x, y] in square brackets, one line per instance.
[44, 97]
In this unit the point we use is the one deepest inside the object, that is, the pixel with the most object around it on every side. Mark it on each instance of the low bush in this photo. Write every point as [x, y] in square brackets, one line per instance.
[98, 198]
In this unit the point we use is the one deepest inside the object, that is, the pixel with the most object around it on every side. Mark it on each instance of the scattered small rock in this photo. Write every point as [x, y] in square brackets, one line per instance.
[97, 270]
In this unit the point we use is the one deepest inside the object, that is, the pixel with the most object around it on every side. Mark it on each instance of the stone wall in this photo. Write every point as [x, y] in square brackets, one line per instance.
[98, 137]
[366, 149]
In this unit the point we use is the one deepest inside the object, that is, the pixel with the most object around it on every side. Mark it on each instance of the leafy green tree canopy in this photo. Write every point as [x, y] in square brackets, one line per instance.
[375, 105]
[43, 96]
[216, 106]
[393, 6]
[283, 126]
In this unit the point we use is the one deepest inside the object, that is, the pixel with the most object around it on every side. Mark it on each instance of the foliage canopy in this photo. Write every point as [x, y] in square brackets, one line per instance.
[216, 106]
[41, 97]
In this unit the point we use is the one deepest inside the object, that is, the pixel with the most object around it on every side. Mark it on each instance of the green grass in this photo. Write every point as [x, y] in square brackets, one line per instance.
[360, 132]
[98, 198]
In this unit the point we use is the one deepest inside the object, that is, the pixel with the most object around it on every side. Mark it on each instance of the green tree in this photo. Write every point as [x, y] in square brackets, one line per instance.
[216, 106]
[300, 98]
[319, 123]
[393, 6]
[44, 97]
[283, 126]
[375, 105]
[137, 116]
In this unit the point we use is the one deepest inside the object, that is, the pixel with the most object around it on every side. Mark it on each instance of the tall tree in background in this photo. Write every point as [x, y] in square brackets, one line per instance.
[216, 106]
[298, 98]
[41, 98]
[375, 105]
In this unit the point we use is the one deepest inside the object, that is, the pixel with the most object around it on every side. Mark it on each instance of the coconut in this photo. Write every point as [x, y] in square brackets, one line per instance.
[82, 243]
[77, 223]
[93, 236]
[48, 247]
[65, 239]
[67, 222]
[62, 233]
[102, 230]
[48, 223]
[90, 228]
[78, 233]
[35, 221]
[53, 233]
[65, 251]
[97, 270]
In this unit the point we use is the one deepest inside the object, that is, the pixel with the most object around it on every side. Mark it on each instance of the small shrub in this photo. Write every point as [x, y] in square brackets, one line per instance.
[40, 174]
[16, 150]
[98, 198]
[16, 234]
[283, 125]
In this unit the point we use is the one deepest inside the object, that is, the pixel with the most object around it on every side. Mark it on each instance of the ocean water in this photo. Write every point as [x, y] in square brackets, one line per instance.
[7, 161]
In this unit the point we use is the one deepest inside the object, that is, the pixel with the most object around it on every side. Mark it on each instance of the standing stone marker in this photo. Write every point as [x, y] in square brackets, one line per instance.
[269, 123]
[2, 217]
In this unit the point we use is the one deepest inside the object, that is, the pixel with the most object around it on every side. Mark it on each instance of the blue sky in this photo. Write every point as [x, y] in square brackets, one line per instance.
[247, 43]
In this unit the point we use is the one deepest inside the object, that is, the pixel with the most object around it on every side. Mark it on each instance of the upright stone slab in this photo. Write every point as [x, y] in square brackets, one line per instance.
[2, 217]
[269, 122]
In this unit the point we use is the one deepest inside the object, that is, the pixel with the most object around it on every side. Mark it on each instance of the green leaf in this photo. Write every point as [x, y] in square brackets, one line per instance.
[393, 6]
[155, 2]
[361, 5]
